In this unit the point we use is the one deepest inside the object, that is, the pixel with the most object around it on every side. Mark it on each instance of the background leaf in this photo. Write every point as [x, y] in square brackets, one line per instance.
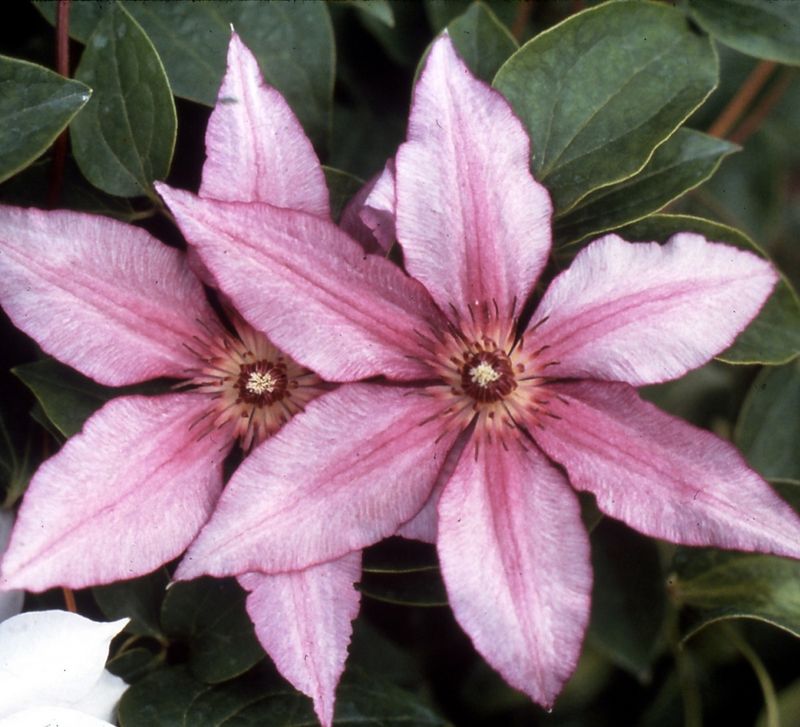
[682, 162]
[762, 28]
[720, 585]
[138, 599]
[600, 91]
[773, 337]
[481, 40]
[628, 597]
[768, 430]
[210, 616]
[125, 137]
[292, 41]
[35, 107]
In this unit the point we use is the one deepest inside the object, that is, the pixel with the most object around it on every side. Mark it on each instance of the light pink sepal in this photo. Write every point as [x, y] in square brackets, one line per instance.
[369, 216]
[515, 560]
[643, 312]
[256, 150]
[99, 295]
[303, 619]
[352, 315]
[661, 475]
[360, 461]
[473, 223]
[121, 498]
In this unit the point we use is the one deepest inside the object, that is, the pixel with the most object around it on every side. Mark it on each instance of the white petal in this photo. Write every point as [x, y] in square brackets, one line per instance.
[10, 601]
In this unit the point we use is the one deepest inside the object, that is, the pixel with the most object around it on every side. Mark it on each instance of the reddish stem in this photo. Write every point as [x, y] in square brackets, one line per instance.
[62, 66]
[69, 600]
[744, 96]
[755, 118]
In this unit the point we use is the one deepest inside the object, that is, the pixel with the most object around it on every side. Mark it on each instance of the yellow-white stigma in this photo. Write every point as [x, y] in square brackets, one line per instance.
[260, 383]
[483, 374]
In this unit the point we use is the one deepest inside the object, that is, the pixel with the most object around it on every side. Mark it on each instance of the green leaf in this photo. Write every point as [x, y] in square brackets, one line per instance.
[773, 337]
[600, 91]
[628, 598]
[138, 599]
[342, 187]
[481, 40]
[381, 10]
[292, 41]
[162, 699]
[134, 664]
[67, 397]
[682, 162]
[35, 107]
[210, 616]
[761, 28]
[403, 572]
[722, 585]
[768, 430]
[125, 137]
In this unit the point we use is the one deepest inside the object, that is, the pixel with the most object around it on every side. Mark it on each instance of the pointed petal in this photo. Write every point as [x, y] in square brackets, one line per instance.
[473, 222]
[661, 475]
[10, 601]
[347, 472]
[124, 496]
[515, 560]
[256, 150]
[369, 216]
[643, 312]
[100, 295]
[56, 716]
[303, 620]
[316, 294]
[51, 657]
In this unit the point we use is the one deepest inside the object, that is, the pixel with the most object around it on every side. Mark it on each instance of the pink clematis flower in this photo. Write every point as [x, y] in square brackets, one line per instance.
[131, 491]
[476, 405]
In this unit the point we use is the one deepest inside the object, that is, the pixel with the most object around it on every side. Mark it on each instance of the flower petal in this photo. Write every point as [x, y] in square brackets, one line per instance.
[100, 295]
[10, 601]
[661, 475]
[303, 620]
[256, 150]
[369, 216]
[643, 312]
[51, 657]
[515, 560]
[474, 224]
[102, 701]
[122, 497]
[357, 463]
[52, 716]
[316, 294]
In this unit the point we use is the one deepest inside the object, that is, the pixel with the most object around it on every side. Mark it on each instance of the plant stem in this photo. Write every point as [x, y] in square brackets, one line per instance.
[62, 66]
[744, 96]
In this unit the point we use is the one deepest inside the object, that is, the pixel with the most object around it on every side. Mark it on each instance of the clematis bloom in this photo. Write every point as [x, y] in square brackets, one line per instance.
[52, 670]
[131, 490]
[458, 441]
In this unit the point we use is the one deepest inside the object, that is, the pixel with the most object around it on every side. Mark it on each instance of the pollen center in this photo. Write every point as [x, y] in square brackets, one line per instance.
[483, 374]
[260, 383]
[487, 376]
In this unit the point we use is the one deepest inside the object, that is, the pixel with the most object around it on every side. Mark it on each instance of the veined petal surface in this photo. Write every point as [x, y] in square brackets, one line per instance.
[51, 658]
[315, 292]
[121, 498]
[369, 215]
[256, 150]
[474, 224]
[303, 619]
[357, 463]
[515, 560]
[643, 312]
[661, 475]
[102, 296]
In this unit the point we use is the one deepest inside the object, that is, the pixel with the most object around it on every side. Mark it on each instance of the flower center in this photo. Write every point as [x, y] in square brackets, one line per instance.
[262, 383]
[487, 376]
[253, 388]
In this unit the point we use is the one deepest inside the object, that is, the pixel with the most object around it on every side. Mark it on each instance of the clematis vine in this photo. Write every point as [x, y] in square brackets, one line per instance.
[131, 491]
[52, 670]
[483, 416]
